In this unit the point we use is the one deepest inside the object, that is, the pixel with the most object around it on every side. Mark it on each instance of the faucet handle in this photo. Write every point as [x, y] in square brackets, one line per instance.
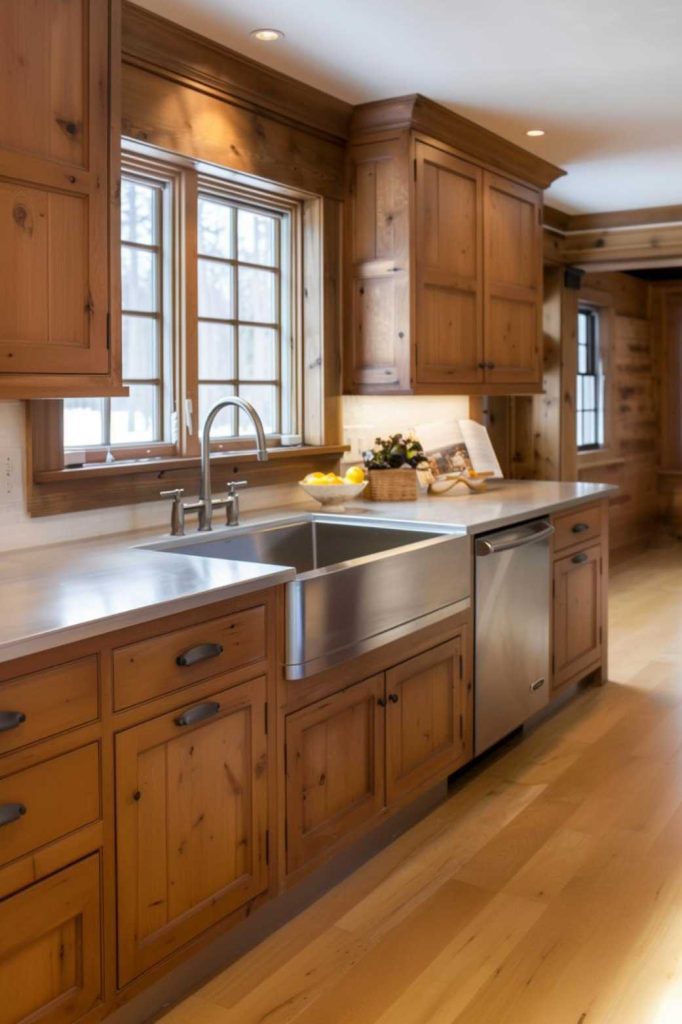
[177, 510]
[176, 493]
[233, 485]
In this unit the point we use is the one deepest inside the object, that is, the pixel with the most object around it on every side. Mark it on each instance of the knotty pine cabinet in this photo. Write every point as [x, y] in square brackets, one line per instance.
[369, 748]
[59, 169]
[444, 250]
[192, 819]
[580, 594]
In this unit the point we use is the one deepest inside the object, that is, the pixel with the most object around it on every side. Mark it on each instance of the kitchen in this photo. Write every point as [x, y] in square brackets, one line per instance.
[397, 745]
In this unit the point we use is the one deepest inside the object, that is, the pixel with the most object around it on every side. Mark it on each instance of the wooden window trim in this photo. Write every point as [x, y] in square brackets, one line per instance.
[602, 302]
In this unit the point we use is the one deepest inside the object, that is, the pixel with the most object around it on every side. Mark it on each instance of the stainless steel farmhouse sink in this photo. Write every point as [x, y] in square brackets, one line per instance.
[357, 587]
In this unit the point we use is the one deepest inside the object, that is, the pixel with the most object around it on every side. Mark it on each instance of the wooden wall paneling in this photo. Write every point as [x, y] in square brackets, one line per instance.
[667, 324]
[187, 118]
[155, 41]
[660, 244]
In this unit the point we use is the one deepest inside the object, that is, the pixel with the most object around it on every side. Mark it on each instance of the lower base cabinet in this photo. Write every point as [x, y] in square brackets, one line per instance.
[425, 734]
[50, 948]
[577, 614]
[191, 804]
[368, 747]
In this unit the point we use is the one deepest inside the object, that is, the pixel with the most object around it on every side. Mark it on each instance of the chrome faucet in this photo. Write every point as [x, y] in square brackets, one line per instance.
[206, 503]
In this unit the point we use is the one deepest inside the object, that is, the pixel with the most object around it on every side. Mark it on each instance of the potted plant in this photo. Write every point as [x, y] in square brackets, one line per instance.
[392, 468]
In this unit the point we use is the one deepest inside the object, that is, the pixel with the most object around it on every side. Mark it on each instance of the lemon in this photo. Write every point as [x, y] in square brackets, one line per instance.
[332, 478]
[314, 478]
[355, 475]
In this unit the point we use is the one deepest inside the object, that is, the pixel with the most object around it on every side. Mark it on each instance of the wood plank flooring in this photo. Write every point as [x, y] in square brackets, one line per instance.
[546, 890]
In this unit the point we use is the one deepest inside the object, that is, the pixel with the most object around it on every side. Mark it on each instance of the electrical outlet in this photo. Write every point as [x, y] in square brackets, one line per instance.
[10, 475]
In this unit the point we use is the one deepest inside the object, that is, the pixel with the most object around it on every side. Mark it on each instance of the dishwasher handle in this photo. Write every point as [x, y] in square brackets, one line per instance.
[530, 534]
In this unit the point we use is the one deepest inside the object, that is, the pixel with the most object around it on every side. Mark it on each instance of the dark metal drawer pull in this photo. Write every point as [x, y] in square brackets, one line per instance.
[382, 702]
[393, 697]
[580, 527]
[10, 813]
[202, 652]
[11, 720]
[198, 713]
[582, 557]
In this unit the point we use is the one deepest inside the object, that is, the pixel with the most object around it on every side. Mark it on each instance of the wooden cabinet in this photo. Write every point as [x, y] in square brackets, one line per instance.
[445, 247]
[373, 746]
[334, 769]
[425, 728]
[50, 948]
[191, 805]
[580, 594]
[512, 223]
[577, 613]
[58, 145]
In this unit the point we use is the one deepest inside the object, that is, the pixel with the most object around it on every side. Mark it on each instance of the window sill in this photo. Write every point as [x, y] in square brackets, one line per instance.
[56, 491]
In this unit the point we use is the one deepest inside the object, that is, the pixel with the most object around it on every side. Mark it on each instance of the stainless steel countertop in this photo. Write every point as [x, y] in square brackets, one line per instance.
[58, 594]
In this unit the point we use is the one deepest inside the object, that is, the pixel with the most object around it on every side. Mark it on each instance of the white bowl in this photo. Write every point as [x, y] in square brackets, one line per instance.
[333, 494]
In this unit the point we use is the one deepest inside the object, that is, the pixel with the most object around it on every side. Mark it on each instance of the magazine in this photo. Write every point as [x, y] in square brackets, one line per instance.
[462, 448]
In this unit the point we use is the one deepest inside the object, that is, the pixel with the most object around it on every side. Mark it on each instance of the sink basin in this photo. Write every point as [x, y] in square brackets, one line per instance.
[357, 586]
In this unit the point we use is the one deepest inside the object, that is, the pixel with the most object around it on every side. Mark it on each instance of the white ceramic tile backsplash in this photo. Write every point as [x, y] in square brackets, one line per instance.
[19, 530]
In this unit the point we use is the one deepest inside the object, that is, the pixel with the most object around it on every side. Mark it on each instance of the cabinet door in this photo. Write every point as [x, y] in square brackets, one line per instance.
[334, 769]
[513, 283]
[54, 203]
[191, 804]
[379, 242]
[50, 955]
[449, 240]
[426, 732]
[577, 613]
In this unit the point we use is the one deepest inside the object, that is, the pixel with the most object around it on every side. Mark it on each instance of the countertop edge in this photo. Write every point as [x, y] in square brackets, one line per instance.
[62, 636]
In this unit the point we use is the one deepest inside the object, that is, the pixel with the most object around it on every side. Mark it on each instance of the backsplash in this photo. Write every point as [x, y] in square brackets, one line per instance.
[19, 530]
[366, 417]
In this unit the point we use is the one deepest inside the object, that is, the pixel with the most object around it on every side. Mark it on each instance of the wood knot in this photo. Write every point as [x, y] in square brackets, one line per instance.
[21, 217]
[68, 127]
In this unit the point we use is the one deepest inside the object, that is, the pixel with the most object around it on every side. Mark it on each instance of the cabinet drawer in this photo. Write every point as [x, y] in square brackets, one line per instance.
[50, 964]
[162, 664]
[578, 526]
[47, 801]
[42, 704]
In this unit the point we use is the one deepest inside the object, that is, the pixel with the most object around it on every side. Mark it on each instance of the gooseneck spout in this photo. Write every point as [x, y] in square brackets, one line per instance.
[205, 494]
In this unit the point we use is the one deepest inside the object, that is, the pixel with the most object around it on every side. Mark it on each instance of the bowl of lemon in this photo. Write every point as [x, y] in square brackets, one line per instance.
[332, 489]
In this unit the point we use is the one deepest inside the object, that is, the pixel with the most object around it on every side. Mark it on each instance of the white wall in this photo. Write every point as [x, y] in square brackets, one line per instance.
[19, 530]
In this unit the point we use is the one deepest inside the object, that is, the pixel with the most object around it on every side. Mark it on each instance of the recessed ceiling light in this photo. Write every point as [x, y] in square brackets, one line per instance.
[267, 35]
[535, 133]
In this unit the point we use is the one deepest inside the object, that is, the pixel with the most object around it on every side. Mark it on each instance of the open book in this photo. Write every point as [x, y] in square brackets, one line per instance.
[462, 446]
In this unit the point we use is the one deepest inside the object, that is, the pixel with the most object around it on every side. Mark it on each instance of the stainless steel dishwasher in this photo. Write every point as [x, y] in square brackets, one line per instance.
[513, 607]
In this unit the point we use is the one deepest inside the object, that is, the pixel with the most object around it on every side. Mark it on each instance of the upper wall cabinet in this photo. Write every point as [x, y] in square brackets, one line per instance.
[445, 246]
[58, 184]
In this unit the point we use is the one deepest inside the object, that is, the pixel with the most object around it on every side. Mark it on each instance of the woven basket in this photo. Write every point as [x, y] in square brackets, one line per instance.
[393, 485]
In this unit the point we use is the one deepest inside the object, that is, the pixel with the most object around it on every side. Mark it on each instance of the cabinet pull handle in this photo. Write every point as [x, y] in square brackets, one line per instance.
[11, 720]
[393, 697]
[579, 527]
[382, 702]
[198, 713]
[481, 366]
[10, 813]
[202, 652]
[490, 366]
[582, 557]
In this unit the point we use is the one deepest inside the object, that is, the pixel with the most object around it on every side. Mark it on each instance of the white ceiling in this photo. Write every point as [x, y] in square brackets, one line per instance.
[602, 77]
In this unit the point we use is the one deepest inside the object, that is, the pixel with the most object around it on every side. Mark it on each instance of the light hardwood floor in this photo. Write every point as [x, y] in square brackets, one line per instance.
[546, 890]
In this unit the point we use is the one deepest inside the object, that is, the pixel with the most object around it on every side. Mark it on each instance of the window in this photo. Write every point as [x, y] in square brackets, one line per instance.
[144, 418]
[244, 313]
[590, 383]
[184, 348]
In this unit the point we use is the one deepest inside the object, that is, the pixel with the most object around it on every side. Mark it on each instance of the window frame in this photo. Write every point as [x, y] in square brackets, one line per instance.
[595, 371]
[185, 182]
[601, 303]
